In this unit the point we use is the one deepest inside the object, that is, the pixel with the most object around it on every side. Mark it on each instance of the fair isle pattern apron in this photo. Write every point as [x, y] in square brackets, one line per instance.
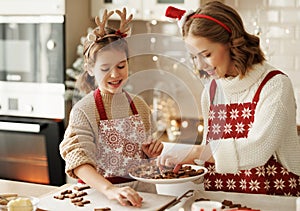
[120, 142]
[234, 121]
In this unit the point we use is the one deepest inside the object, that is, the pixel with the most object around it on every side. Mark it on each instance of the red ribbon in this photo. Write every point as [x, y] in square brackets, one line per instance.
[119, 33]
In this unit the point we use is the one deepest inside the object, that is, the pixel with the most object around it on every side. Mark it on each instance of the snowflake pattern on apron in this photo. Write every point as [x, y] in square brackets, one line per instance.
[120, 141]
[234, 121]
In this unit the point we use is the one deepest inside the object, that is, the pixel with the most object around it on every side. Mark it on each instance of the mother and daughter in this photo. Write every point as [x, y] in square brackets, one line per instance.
[250, 142]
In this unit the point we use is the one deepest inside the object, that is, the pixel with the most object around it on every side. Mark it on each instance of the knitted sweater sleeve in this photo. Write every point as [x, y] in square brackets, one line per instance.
[78, 146]
[273, 132]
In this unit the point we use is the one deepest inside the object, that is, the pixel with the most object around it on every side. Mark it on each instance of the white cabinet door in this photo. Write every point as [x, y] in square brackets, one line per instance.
[133, 7]
[32, 7]
[142, 9]
[155, 9]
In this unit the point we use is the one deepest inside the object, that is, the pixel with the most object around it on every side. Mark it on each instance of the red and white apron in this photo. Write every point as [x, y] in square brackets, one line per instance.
[234, 121]
[120, 143]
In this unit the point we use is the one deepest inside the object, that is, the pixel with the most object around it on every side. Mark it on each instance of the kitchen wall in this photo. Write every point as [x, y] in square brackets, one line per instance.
[278, 23]
[78, 19]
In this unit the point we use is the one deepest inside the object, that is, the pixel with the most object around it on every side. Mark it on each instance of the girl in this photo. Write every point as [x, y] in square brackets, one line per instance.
[109, 129]
[250, 138]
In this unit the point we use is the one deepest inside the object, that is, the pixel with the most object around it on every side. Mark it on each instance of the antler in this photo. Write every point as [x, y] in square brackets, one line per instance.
[124, 22]
[101, 30]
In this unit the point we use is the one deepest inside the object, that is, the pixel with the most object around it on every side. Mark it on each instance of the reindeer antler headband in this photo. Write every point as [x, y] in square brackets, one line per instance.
[99, 33]
[182, 15]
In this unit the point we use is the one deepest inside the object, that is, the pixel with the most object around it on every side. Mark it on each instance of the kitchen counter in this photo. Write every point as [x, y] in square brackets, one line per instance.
[46, 193]
[30, 189]
[47, 202]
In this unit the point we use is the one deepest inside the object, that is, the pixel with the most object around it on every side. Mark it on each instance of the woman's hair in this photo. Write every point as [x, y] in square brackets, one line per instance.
[245, 50]
[111, 40]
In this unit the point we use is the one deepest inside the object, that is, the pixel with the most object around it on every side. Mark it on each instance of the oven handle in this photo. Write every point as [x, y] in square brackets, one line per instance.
[20, 127]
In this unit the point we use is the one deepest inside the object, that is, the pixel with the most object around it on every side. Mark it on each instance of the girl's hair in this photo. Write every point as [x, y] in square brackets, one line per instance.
[245, 50]
[111, 40]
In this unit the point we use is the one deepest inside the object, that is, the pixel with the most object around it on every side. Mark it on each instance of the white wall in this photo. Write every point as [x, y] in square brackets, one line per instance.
[280, 26]
[279, 21]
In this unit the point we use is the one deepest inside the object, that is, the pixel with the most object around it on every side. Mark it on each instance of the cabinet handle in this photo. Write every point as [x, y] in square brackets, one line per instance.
[20, 127]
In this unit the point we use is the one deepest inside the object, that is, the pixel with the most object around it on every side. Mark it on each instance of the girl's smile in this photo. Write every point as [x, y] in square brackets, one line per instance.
[112, 75]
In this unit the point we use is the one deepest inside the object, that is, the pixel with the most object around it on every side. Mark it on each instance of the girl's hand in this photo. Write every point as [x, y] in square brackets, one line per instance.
[152, 149]
[124, 195]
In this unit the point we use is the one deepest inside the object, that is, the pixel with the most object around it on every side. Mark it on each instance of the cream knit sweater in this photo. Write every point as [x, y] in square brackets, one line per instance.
[274, 130]
[78, 146]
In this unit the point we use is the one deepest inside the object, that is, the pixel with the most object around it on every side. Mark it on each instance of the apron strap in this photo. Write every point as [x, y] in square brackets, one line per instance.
[212, 90]
[266, 79]
[132, 106]
[100, 105]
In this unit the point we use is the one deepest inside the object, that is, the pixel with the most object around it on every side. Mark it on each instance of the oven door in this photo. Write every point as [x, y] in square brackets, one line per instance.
[29, 150]
[32, 49]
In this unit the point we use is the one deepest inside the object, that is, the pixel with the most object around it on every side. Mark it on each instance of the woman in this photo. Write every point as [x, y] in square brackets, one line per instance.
[109, 130]
[250, 140]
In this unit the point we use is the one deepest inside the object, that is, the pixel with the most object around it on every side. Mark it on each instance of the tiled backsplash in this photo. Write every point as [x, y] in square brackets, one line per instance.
[279, 23]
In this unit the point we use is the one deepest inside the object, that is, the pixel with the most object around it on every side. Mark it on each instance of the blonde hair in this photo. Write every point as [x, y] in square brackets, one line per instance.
[245, 50]
[85, 82]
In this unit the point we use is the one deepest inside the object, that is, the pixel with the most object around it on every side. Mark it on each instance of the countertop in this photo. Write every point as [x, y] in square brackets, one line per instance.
[31, 189]
[261, 202]
[45, 193]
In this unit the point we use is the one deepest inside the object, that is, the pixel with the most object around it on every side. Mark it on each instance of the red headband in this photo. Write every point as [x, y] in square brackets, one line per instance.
[173, 12]
[212, 19]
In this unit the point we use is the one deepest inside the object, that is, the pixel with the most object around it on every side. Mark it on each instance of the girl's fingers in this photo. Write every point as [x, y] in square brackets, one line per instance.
[131, 196]
[156, 147]
[151, 147]
[160, 149]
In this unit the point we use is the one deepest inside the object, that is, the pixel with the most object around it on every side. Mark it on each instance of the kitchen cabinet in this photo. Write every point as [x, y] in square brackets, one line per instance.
[155, 9]
[32, 7]
[141, 9]
[132, 6]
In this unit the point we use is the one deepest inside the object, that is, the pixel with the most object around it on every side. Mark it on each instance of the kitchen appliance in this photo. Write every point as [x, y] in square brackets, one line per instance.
[29, 150]
[32, 105]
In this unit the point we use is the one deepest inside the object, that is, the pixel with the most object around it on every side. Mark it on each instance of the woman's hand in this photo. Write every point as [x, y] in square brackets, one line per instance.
[185, 156]
[124, 195]
[152, 149]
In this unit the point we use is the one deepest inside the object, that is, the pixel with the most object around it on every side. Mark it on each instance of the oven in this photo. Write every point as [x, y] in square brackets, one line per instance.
[32, 104]
[29, 150]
